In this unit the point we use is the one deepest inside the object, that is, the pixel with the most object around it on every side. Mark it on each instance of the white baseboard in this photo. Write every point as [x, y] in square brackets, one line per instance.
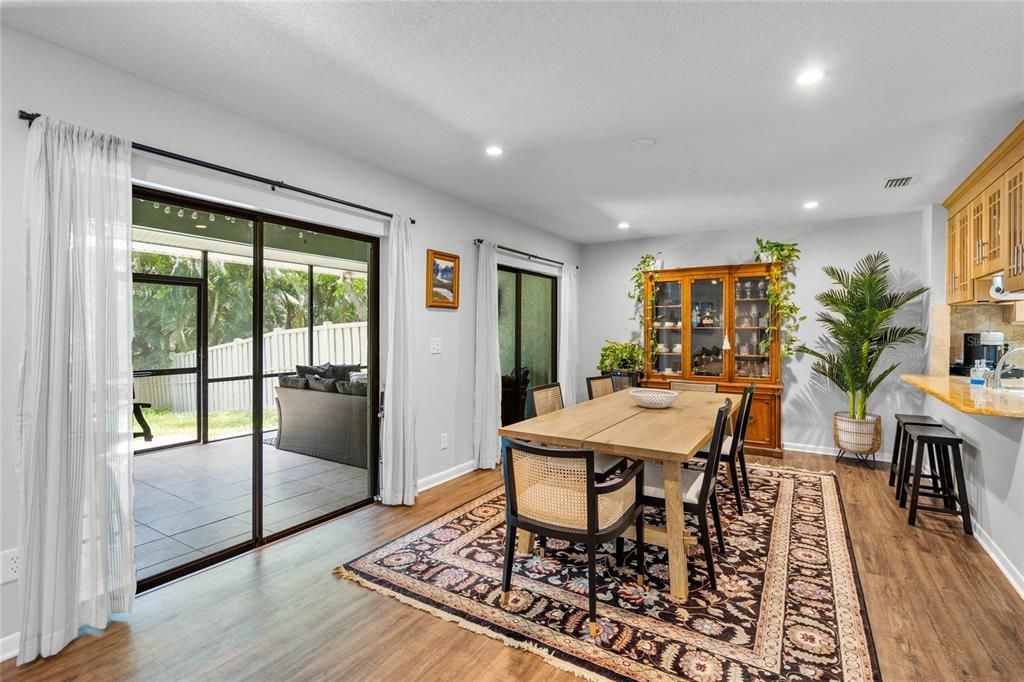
[827, 450]
[1011, 572]
[9, 646]
[443, 476]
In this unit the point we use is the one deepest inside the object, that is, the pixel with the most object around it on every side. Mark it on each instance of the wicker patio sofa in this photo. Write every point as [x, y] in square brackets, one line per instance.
[327, 425]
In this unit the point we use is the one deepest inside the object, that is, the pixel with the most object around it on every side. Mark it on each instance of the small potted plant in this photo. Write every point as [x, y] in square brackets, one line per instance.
[622, 359]
[858, 317]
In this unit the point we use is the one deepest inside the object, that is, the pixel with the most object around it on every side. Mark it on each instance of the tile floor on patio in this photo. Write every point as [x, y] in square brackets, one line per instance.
[195, 500]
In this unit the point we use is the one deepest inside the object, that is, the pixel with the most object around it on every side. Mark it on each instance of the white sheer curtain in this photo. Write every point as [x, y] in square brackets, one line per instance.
[398, 442]
[568, 334]
[487, 373]
[75, 392]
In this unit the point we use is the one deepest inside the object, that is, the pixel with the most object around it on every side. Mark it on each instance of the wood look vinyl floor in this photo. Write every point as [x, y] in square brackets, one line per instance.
[939, 607]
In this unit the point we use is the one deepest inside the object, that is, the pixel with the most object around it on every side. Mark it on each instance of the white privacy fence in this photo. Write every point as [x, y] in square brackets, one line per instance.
[337, 343]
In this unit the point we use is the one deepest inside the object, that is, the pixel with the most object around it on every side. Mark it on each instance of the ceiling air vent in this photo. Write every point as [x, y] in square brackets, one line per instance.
[896, 183]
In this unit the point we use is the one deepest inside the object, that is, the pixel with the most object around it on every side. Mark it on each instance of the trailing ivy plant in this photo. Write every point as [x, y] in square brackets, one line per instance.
[641, 271]
[784, 257]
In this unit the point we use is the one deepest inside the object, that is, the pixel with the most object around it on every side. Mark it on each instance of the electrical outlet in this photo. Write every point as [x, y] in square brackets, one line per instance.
[435, 346]
[10, 561]
[444, 441]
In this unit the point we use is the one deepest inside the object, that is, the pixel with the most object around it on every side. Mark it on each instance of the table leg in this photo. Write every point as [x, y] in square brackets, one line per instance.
[679, 539]
[525, 542]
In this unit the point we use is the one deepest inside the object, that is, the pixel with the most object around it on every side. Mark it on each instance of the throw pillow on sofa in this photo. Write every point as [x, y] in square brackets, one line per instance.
[351, 387]
[322, 384]
[341, 372]
[292, 381]
[323, 370]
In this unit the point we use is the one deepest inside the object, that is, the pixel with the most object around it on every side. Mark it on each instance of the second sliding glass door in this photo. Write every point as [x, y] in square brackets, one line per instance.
[527, 337]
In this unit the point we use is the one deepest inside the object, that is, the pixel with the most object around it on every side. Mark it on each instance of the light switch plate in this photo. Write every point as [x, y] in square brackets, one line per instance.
[435, 346]
[444, 441]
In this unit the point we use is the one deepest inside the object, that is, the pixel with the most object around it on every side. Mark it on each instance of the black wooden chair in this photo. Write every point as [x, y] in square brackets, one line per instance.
[699, 493]
[732, 449]
[600, 386]
[555, 492]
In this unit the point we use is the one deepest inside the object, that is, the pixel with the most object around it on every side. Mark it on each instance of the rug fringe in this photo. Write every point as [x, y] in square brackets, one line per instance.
[549, 658]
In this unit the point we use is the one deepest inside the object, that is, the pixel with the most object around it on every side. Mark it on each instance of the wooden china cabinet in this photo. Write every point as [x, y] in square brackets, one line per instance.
[689, 314]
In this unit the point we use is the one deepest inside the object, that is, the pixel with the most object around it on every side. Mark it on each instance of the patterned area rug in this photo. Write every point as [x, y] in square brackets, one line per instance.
[788, 604]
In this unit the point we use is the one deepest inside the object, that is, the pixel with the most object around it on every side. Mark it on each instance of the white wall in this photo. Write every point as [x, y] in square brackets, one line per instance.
[38, 76]
[807, 404]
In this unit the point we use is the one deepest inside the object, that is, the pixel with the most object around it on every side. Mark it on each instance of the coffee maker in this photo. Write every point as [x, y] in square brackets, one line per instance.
[985, 346]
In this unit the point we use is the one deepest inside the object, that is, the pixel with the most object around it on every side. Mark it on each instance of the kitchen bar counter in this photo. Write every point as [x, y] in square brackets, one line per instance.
[958, 393]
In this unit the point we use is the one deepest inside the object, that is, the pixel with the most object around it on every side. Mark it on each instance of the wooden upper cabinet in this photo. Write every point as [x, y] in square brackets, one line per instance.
[1013, 226]
[986, 224]
[964, 255]
[995, 241]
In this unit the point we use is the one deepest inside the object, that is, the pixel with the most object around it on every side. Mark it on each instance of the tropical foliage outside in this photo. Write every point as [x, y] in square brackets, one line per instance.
[165, 316]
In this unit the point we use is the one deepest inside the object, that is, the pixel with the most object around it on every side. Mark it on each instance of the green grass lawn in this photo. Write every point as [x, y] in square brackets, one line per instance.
[165, 422]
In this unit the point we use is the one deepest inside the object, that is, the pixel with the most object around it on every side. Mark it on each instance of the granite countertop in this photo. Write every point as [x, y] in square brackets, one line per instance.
[958, 392]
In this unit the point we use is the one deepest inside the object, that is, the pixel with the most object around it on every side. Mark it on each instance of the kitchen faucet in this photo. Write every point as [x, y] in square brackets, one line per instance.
[994, 379]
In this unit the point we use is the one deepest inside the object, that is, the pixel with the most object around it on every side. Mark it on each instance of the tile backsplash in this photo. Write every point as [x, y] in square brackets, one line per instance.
[980, 318]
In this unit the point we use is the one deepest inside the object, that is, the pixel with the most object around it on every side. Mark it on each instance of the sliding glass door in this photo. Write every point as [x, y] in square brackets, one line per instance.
[255, 362]
[527, 337]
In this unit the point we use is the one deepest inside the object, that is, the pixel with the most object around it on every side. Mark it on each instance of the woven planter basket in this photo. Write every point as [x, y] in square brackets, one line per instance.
[857, 436]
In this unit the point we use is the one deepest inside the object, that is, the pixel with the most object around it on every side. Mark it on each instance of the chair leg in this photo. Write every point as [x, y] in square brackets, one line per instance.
[510, 554]
[705, 537]
[641, 565]
[543, 542]
[718, 521]
[592, 586]
[916, 491]
[961, 490]
[736, 484]
[620, 551]
[905, 466]
[894, 465]
[743, 472]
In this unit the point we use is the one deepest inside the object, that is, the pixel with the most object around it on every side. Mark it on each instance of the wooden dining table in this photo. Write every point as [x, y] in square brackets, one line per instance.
[615, 425]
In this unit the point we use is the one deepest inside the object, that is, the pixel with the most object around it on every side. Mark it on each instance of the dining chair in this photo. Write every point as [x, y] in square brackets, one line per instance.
[544, 399]
[692, 386]
[699, 491]
[600, 386]
[732, 449]
[555, 492]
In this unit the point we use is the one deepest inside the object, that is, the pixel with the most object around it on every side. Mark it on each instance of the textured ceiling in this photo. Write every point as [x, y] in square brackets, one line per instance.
[420, 88]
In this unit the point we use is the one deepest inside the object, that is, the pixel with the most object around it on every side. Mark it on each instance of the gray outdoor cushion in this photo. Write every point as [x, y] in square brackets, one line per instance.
[351, 387]
[292, 381]
[322, 384]
[323, 370]
[341, 372]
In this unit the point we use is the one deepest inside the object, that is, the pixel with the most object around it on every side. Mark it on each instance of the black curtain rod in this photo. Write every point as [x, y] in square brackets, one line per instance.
[531, 256]
[274, 184]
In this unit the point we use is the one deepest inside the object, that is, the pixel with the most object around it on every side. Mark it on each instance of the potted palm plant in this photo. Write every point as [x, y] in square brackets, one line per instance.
[858, 316]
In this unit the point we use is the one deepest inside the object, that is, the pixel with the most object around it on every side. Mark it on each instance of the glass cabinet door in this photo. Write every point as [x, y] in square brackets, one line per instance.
[706, 322]
[752, 343]
[667, 329]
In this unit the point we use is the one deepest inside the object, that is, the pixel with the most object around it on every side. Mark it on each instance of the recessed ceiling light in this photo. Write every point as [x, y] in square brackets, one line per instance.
[643, 143]
[810, 76]
[810, 204]
[623, 226]
[495, 150]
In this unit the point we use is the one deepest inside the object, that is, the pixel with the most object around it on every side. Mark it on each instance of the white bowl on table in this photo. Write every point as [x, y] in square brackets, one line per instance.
[653, 398]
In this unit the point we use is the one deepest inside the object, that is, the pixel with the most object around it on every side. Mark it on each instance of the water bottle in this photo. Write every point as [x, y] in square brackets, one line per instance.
[978, 373]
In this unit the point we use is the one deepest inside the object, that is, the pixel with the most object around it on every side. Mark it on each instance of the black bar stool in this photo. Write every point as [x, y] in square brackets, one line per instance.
[900, 442]
[945, 463]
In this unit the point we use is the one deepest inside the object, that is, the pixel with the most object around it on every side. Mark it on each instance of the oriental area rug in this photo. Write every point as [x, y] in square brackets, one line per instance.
[788, 605]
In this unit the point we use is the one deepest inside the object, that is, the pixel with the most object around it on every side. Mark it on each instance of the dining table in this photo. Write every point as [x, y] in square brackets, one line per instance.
[614, 424]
